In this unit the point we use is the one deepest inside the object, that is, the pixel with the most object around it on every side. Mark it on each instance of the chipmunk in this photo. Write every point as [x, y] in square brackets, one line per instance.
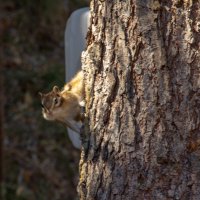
[65, 106]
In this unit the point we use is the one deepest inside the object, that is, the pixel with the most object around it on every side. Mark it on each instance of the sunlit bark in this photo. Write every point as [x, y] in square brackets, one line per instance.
[142, 75]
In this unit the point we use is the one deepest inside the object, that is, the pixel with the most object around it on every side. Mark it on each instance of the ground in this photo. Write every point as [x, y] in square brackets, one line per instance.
[39, 161]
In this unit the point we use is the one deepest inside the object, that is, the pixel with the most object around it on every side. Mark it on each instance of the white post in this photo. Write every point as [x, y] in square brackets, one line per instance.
[75, 42]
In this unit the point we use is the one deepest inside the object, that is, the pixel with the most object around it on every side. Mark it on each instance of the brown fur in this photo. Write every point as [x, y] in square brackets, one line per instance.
[76, 86]
[64, 106]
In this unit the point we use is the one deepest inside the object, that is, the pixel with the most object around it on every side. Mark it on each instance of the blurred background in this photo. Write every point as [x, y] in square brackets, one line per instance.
[38, 161]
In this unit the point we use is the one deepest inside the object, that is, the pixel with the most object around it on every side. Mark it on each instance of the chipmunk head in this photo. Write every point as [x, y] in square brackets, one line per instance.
[51, 103]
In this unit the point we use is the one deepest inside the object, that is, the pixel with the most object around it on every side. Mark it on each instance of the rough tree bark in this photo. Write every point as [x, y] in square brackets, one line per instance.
[142, 74]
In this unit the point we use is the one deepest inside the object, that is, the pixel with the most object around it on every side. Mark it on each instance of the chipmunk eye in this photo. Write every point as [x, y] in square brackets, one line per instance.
[55, 100]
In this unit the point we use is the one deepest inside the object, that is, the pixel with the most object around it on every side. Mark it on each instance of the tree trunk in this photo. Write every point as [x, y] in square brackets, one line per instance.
[142, 75]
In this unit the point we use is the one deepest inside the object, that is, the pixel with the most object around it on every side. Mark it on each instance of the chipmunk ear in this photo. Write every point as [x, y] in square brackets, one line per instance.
[40, 93]
[56, 89]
